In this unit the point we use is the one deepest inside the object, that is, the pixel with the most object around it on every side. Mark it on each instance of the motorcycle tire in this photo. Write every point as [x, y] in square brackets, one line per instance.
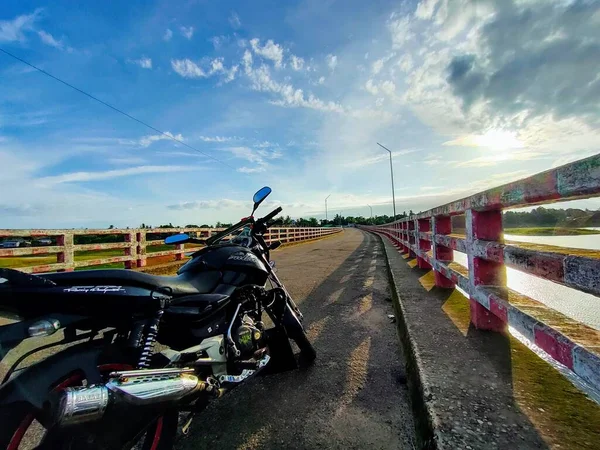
[21, 430]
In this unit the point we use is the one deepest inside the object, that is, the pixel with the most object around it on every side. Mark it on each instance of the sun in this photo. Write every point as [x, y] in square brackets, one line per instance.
[493, 139]
[498, 140]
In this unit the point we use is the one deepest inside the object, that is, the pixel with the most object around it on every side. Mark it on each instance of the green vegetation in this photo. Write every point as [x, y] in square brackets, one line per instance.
[549, 231]
[39, 260]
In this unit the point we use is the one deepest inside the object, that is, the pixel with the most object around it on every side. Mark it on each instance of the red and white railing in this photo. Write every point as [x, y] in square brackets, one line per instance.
[428, 237]
[134, 246]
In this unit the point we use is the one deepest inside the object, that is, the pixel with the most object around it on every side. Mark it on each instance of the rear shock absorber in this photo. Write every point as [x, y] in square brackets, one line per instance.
[150, 337]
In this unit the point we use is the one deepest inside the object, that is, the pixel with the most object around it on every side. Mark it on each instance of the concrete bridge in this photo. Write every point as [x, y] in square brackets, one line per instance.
[464, 362]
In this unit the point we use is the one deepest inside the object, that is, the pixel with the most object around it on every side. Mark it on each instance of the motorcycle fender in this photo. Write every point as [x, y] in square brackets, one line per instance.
[33, 384]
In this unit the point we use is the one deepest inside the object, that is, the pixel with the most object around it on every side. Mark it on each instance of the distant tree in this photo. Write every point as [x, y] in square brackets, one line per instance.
[312, 222]
[192, 226]
[287, 221]
[205, 226]
[112, 227]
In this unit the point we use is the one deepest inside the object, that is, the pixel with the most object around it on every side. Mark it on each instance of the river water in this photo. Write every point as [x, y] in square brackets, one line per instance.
[582, 307]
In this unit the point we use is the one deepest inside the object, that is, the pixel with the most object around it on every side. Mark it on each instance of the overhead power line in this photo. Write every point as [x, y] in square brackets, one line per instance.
[114, 108]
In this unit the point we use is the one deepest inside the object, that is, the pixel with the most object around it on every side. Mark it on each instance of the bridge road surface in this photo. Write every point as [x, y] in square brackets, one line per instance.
[354, 397]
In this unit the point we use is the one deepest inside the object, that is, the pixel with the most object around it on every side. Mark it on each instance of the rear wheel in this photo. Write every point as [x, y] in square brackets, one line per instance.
[21, 430]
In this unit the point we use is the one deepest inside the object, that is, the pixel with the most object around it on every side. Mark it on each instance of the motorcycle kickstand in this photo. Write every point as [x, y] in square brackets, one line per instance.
[199, 406]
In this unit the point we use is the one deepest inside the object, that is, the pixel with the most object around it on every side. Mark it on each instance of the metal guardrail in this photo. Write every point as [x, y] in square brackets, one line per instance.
[428, 237]
[135, 245]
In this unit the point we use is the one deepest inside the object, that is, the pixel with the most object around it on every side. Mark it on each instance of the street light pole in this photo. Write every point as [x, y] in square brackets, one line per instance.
[371, 210]
[326, 206]
[392, 172]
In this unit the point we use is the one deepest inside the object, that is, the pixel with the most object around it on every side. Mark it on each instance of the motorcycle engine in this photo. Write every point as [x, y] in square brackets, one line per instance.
[248, 337]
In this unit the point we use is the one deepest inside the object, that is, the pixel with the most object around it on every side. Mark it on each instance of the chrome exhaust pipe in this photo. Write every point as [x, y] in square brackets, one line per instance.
[78, 405]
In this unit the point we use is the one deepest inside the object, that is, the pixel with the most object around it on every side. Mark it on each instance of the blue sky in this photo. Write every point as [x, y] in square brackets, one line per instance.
[467, 94]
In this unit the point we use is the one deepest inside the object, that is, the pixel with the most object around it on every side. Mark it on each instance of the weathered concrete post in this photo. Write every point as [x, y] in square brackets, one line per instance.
[131, 250]
[140, 238]
[423, 226]
[67, 256]
[442, 225]
[411, 238]
[484, 225]
[405, 237]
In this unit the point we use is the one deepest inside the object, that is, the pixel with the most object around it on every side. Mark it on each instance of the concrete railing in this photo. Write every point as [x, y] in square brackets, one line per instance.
[134, 245]
[428, 237]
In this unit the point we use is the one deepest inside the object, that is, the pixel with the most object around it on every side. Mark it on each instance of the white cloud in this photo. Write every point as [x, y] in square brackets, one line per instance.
[400, 29]
[332, 61]
[216, 138]
[108, 174]
[48, 39]
[210, 204]
[371, 87]
[143, 62]
[529, 66]
[288, 95]
[187, 32]
[321, 80]
[247, 61]
[377, 66]
[270, 51]
[218, 41]
[388, 87]
[14, 30]
[146, 141]
[234, 20]
[297, 62]
[125, 161]
[499, 157]
[187, 68]
[245, 169]
[426, 8]
[168, 35]
[405, 63]
[378, 158]
[260, 157]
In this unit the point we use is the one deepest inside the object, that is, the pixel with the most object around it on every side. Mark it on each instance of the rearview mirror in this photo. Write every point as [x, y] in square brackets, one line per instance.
[260, 195]
[177, 239]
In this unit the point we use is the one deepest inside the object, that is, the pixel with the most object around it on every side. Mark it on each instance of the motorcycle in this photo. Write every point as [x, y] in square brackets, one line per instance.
[109, 388]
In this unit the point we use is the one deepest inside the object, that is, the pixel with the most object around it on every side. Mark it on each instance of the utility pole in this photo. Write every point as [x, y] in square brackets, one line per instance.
[392, 173]
[326, 206]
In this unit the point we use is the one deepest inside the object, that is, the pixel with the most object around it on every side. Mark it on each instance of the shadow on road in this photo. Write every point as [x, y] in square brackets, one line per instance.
[353, 397]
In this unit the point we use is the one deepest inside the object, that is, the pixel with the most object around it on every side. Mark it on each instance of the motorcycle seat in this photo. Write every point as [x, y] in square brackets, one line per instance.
[176, 286]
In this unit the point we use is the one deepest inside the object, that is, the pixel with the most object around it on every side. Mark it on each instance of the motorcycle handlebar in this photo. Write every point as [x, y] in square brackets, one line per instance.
[211, 240]
[271, 214]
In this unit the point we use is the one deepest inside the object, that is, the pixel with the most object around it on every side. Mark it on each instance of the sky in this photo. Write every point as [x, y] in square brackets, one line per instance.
[295, 95]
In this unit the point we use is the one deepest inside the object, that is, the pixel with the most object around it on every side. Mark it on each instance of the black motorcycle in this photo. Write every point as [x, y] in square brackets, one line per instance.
[110, 388]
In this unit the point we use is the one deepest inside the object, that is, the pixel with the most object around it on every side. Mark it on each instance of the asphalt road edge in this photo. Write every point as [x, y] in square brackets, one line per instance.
[427, 438]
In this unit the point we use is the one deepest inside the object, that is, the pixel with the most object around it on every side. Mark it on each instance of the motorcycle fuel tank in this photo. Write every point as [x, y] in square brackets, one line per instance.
[225, 257]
